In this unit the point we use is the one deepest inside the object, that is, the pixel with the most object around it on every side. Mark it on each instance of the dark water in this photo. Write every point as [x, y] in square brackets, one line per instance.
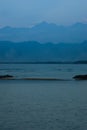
[43, 105]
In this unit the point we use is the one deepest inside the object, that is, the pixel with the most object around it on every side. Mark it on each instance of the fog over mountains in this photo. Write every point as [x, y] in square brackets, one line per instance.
[46, 32]
[48, 52]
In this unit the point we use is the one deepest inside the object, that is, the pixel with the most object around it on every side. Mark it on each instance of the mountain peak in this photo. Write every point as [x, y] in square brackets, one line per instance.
[43, 23]
[46, 32]
[7, 27]
[79, 24]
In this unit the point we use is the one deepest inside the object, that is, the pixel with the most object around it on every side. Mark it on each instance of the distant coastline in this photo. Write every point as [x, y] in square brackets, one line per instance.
[45, 62]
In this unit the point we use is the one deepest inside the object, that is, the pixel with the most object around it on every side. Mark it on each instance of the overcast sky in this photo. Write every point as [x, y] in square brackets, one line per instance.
[24, 13]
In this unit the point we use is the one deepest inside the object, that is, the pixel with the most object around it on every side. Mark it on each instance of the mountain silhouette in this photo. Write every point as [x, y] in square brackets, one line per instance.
[36, 52]
[46, 32]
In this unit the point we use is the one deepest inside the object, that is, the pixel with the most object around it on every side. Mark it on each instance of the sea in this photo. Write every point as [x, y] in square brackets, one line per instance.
[43, 104]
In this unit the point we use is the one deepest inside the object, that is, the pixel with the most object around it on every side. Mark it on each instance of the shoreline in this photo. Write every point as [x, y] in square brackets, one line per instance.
[37, 78]
[11, 77]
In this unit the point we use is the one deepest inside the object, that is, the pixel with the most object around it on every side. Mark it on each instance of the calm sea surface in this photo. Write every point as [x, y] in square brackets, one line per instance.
[64, 71]
[43, 105]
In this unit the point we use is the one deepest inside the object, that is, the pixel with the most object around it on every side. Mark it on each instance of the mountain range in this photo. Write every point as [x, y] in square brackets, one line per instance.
[33, 51]
[46, 32]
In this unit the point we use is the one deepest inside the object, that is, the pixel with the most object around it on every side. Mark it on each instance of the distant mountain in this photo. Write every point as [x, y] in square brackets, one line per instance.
[35, 52]
[46, 32]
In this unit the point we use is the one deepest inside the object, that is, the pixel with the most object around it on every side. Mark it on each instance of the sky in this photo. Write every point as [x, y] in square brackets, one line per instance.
[26, 13]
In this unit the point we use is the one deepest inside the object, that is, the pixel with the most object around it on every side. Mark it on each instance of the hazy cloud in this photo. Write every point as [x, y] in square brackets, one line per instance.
[28, 12]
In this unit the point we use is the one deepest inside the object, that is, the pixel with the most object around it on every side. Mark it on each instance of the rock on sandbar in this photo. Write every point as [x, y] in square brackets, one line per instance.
[80, 77]
[6, 76]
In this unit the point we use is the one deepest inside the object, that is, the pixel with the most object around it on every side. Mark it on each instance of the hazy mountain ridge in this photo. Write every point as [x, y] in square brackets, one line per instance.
[35, 52]
[46, 32]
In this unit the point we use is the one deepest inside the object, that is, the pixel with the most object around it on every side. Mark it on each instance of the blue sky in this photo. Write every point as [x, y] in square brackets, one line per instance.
[24, 13]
